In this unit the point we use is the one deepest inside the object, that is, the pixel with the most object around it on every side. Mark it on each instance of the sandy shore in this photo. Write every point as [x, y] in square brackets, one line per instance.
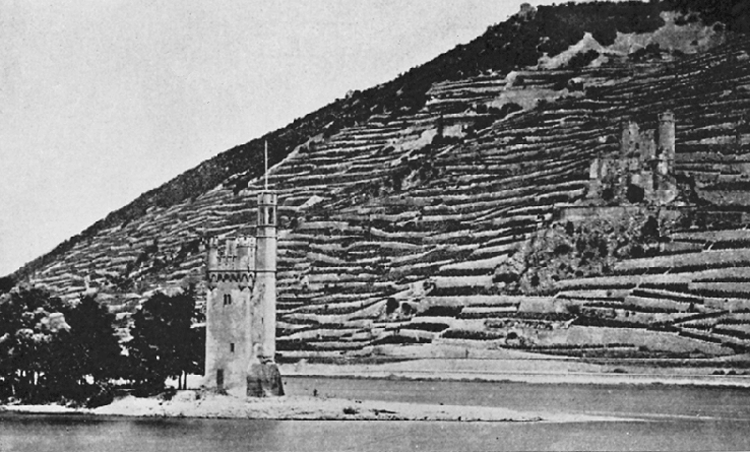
[209, 405]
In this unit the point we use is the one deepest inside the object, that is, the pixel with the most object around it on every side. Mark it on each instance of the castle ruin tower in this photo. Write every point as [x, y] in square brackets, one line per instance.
[628, 161]
[666, 143]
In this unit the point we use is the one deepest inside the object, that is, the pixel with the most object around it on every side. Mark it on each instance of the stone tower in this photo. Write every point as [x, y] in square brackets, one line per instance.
[230, 288]
[241, 310]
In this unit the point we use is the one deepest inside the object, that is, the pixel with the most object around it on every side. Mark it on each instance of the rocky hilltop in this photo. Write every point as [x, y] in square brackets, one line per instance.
[457, 203]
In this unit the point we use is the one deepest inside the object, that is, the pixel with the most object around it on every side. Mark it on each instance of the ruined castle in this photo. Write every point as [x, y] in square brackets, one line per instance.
[241, 309]
[642, 171]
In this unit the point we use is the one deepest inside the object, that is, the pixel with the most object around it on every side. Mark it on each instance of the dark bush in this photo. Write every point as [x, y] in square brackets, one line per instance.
[391, 305]
[580, 60]
[102, 394]
[399, 339]
[472, 335]
[441, 311]
[635, 194]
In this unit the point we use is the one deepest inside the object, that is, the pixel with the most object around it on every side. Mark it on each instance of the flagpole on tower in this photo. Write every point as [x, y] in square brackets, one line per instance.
[266, 159]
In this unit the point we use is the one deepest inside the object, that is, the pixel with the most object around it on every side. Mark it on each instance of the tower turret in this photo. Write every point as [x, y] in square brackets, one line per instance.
[263, 376]
[265, 268]
[212, 259]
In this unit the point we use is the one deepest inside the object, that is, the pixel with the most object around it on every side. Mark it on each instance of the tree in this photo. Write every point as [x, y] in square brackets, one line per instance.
[6, 284]
[30, 320]
[164, 342]
[92, 341]
[194, 349]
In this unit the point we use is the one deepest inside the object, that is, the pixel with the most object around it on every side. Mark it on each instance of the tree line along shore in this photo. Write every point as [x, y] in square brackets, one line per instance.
[70, 352]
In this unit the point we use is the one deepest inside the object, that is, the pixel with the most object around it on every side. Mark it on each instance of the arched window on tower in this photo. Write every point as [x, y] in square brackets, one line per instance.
[267, 216]
[227, 299]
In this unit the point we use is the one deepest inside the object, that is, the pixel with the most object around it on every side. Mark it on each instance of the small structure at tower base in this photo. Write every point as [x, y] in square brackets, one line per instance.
[263, 376]
[264, 380]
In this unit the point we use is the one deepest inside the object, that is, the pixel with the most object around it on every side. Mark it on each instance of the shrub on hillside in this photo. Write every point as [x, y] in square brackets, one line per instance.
[441, 311]
[590, 320]
[582, 59]
[399, 339]
[472, 335]
[650, 51]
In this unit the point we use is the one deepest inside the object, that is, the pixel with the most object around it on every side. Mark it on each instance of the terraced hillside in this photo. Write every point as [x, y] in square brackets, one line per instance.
[465, 221]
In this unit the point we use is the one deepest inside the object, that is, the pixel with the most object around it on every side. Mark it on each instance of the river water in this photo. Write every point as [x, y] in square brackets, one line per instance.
[667, 418]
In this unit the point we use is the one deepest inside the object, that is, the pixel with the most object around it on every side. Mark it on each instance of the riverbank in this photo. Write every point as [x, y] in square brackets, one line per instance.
[520, 371]
[204, 404]
[466, 362]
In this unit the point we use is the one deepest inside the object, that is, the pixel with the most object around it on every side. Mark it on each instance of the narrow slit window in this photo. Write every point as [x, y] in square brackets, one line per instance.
[227, 299]
[220, 378]
[231, 347]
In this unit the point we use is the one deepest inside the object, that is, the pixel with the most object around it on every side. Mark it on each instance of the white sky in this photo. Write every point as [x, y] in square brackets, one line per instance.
[102, 100]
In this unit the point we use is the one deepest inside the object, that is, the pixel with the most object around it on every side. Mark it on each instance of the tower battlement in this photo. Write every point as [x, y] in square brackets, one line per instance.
[235, 254]
[666, 116]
